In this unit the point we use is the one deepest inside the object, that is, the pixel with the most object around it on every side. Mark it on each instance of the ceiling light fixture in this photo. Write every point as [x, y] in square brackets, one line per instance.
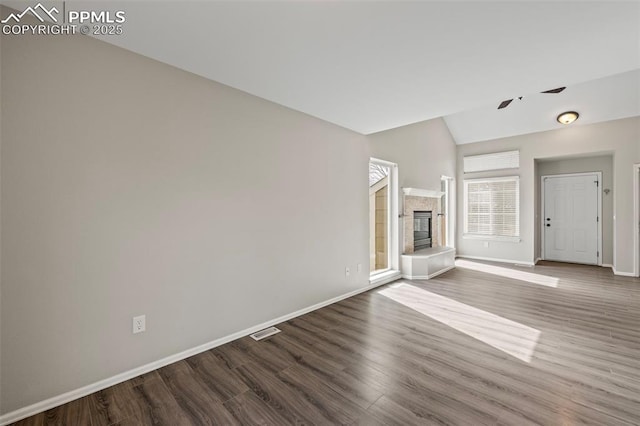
[568, 117]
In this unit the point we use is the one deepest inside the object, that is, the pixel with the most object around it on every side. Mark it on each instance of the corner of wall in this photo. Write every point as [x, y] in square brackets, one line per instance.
[428, 141]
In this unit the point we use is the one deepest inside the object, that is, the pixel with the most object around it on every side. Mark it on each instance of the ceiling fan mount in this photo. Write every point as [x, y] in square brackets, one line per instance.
[506, 103]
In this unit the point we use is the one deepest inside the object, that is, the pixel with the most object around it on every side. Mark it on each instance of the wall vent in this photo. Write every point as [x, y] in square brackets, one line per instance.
[259, 335]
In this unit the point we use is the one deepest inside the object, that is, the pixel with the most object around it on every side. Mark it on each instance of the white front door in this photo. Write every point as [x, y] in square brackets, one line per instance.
[570, 222]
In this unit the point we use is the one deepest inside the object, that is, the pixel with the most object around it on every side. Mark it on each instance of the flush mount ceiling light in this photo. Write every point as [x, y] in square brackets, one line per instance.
[568, 117]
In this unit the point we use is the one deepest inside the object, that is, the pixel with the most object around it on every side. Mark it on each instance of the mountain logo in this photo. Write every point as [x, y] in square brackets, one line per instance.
[39, 11]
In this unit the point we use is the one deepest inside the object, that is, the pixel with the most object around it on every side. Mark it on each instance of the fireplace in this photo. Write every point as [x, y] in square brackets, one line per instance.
[422, 222]
[422, 226]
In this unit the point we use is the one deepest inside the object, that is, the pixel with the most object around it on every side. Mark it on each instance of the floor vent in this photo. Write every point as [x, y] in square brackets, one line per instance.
[259, 335]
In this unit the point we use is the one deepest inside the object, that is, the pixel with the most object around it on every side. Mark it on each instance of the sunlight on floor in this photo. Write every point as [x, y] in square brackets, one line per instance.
[511, 337]
[509, 273]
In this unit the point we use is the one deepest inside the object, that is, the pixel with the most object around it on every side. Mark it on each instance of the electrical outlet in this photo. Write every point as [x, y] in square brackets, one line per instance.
[139, 324]
[486, 244]
[359, 267]
[347, 271]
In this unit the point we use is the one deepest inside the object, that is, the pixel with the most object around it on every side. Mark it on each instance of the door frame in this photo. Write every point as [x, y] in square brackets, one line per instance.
[636, 219]
[393, 228]
[452, 214]
[542, 201]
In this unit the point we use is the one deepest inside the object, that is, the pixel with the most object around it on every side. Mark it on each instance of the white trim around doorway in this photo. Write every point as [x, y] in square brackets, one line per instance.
[393, 228]
[636, 220]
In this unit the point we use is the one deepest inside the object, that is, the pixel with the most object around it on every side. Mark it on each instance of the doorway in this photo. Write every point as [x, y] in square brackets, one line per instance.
[571, 218]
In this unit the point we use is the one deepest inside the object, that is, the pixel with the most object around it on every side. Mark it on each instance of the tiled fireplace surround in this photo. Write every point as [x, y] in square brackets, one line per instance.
[421, 203]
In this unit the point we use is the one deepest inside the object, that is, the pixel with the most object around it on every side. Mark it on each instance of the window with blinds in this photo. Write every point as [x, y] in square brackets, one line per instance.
[492, 208]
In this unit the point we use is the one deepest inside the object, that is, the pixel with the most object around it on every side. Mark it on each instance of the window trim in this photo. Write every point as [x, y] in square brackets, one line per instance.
[451, 216]
[393, 227]
[493, 161]
[470, 236]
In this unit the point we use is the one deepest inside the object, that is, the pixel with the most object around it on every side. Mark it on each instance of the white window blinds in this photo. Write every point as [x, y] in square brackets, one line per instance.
[493, 161]
[492, 207]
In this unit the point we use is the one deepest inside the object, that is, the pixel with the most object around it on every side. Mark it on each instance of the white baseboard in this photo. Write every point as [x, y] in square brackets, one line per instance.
[55, 401]
[537, 260]
[384, 278]
[607, 265]
[493, 259]
[622, 274]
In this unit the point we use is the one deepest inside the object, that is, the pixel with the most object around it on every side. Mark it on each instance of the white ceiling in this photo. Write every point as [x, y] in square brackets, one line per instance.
[598, 100]
[372, 66]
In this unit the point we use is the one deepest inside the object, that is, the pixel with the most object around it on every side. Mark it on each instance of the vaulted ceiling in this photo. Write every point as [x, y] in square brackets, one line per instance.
[603, 99]
[372, 66]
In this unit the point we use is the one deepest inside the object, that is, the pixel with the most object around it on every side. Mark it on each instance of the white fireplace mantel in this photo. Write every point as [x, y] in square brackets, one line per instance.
[417, 192]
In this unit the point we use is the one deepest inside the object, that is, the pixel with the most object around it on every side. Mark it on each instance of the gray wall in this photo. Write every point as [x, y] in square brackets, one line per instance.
[602, 164]
[621, 138]
[131, 187]
[423, 151]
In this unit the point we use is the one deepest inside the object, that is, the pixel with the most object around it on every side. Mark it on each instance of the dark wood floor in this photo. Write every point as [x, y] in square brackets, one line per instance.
[371, 360]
